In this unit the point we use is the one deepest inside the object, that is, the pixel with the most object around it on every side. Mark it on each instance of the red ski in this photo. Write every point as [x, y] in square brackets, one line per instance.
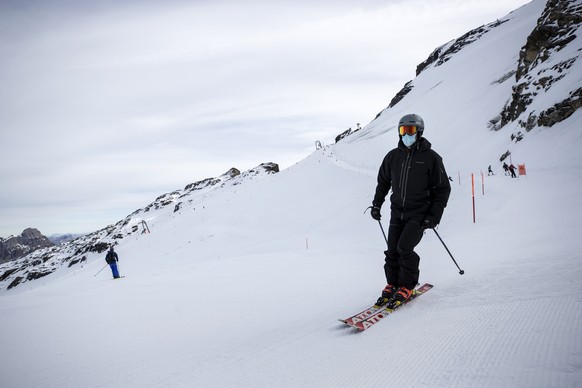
[374, 314]
[362, 315]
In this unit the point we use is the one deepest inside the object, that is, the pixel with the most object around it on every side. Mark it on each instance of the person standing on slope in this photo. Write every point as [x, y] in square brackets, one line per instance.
[420, 192]
[512, 170]
[112, 260]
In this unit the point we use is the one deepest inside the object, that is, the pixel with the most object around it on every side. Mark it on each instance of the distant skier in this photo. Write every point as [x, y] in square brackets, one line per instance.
[512, 170]
[489, 171]
[112, 260]
[506, 168]
[420, 192]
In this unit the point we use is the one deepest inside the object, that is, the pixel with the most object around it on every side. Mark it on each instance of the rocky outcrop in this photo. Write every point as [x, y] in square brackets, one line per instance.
[562, 110]
[537, 72]
[261, 169]
[343, 135]
[400, 95]
[233, 175]
[15, 247]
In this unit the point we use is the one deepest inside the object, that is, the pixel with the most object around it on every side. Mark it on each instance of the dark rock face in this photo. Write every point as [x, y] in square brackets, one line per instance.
[343, 135]
[265, 168]
[400, 95]
[537, 73]
[555, 29]
[28, 241]
[231, 173]
[346, 133]
[561, 110]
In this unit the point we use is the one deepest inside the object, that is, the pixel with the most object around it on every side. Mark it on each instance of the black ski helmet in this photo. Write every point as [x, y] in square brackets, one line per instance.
[413, 119]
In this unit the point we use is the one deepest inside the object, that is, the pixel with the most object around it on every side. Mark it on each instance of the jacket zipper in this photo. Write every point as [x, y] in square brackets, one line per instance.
[404, 179]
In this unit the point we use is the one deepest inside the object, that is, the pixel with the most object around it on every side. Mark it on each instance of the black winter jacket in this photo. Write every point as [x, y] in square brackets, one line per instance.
[111, 257]
[419, 182]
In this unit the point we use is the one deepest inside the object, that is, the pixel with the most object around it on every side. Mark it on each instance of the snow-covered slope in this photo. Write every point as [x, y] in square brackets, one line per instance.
[243, 287]
[50, 262]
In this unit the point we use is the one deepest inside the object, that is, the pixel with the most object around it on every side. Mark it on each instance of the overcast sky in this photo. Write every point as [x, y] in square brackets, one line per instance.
[105, 105]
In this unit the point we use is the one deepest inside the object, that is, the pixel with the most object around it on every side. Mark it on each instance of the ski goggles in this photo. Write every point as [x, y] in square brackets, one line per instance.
[407, 130]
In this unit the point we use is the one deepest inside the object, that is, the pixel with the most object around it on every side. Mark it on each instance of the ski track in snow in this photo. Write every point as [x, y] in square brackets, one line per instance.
[333, 158]
[477, 345]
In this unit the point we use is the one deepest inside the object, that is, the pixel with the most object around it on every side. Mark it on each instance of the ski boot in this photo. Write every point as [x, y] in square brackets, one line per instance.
[387, 295]
[400, 296]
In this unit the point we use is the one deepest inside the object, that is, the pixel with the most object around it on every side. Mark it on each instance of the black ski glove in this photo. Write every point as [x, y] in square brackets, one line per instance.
[376, 213]
[428, 224]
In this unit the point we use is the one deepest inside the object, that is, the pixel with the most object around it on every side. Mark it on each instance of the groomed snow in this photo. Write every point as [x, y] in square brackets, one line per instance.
[245, 289]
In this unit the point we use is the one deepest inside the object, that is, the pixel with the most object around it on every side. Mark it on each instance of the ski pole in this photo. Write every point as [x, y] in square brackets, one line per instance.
[383, 233]
[461, 272]
[101, 270]
[381, 227]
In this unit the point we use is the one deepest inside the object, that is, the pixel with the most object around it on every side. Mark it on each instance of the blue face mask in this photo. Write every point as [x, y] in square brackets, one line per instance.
[409, 140]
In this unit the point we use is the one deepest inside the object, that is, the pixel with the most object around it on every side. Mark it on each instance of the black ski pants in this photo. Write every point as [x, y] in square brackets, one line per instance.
[402, 262]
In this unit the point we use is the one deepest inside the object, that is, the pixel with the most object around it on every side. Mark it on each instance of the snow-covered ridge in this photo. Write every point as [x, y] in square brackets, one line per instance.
[445, 52]
[46, 261]
[548, 65]
[232, 177]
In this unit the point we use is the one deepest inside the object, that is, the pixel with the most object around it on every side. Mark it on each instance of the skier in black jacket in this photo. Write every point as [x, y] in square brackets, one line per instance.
[111, 258]
[420, 192]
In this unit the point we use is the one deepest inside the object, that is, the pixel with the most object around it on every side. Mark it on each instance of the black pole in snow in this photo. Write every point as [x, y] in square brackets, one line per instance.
[461, 272]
